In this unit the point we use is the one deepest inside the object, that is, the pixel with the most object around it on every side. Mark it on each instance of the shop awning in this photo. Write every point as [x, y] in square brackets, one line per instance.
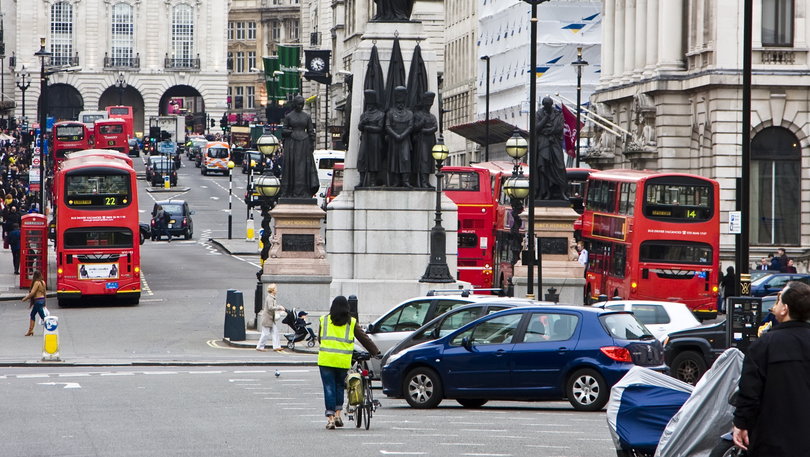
[499, 131]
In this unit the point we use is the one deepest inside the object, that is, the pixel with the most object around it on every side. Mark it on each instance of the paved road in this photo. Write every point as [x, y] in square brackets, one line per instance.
[248, 411]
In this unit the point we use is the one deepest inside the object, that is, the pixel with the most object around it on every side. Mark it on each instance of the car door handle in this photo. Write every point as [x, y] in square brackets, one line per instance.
[499, 352]
[562, 349]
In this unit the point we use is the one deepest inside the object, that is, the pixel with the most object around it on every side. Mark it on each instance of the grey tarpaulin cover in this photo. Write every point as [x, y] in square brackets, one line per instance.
[706, 415]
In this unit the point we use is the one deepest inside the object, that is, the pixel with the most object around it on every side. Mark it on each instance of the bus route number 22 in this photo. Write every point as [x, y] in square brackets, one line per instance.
[109, 201]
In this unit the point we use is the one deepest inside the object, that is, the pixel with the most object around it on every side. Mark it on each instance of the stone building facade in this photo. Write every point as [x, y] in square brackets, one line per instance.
[170, 53]
[671, 76]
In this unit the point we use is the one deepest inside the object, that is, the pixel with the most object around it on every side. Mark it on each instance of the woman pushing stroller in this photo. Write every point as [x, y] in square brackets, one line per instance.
[268, 319]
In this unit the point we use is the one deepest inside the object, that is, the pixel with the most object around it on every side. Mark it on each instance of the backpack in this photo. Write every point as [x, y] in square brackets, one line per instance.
[354, 389]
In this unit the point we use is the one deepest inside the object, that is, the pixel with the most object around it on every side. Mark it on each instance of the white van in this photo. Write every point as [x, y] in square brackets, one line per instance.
[325, 160]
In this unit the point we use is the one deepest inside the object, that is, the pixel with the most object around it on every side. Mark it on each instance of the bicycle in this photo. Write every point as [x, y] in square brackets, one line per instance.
[362, 412]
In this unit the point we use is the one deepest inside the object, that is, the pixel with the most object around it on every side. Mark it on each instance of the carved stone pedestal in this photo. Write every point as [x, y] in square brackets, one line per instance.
[554, 232]
[297, 258]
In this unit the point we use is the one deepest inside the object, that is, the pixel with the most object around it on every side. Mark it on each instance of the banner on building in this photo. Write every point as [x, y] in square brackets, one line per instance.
[271, 80]
[289, 59]
[317, 65]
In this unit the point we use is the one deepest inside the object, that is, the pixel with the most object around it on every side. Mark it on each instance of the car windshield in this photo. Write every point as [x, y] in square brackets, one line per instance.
[624, 326]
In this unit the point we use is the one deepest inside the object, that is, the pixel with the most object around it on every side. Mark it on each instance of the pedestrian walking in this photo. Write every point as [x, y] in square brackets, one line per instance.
[336, 334]
[36, 299]
[14, 244]
[729, 284]
[269, 318]
[774, 397]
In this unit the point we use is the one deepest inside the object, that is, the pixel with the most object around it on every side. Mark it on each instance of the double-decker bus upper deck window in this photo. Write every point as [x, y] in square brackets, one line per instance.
[683, 252]
[69, 132]
[97, 189]
[98, 237]
[461, 180]
[119, 111]
[627, 198]
[601, 196]
[111, 129]
[681, 201]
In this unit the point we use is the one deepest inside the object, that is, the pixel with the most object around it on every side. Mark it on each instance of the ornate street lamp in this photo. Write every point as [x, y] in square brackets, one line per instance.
[267, 144]
[268, 187]
[23, 83]
[532, 142]
[579, 64]
[517, 188]
[43, 55]
[437, 270]
[121, 84]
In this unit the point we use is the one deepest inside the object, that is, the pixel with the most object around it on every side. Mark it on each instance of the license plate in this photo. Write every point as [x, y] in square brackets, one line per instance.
[112, 285]
[171, 225]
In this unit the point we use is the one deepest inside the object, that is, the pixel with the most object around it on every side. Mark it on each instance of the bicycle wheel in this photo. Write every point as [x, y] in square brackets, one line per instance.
[368, 402]
[358, 416]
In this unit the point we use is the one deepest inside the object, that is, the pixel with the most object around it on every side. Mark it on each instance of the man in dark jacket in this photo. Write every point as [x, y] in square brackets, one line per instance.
[14, 244]
[773, 404]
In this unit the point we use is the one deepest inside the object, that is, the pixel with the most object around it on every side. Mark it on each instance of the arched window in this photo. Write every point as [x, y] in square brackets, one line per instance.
[123, 33]
[775, 187]
[183, 36]
[61, 33]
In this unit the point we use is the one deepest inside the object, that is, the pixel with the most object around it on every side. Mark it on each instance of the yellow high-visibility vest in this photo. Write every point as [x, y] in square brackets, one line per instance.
[337, 343]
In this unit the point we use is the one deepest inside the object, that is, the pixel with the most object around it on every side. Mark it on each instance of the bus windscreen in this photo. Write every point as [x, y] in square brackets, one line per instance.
[97, 190]
[119, 111]
[460, 181]
[676, 252]
[683, 202]
[70, 132]
[98, 237]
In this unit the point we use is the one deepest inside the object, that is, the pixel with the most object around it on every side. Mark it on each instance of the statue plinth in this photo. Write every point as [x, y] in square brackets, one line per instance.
[297, 258]
[554, 233]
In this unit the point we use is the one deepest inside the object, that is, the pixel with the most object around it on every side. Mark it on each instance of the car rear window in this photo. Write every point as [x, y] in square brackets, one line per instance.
[651, 314]
[624, 326]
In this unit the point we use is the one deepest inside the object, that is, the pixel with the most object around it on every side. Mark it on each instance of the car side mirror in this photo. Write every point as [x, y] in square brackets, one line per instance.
[766, 286]
[370, 329]
[466, 343]
[191, 212]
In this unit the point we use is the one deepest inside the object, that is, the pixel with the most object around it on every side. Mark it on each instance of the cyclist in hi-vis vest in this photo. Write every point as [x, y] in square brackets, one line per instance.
[336, 334]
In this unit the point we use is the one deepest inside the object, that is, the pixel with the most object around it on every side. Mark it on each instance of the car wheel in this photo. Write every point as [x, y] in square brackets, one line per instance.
[187, 235]
[587, 390]
[204, 172]
[143, 238]
[471, 402]
[422, 388]
[688, 366]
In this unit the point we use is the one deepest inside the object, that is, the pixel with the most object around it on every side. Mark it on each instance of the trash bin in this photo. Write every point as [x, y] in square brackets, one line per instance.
[234, 316]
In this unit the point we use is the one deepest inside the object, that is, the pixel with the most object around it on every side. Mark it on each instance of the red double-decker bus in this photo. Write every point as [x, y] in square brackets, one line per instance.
[69, 136]
[102, 153]
[484, 222]
[111, 134]
[97, 230]
[653, 236]
[125, 113]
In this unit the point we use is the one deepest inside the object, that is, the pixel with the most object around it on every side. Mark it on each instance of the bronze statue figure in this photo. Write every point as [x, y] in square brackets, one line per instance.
[299, 177]
[371, 125]
[550, 168]
[398, 128]
[393, 10]
[424, 138]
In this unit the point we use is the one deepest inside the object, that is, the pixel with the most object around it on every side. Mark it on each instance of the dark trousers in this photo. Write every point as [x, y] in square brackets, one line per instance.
[15, 257]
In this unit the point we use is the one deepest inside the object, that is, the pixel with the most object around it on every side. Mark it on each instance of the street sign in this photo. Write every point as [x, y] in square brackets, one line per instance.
[735, 222]
[35, 161]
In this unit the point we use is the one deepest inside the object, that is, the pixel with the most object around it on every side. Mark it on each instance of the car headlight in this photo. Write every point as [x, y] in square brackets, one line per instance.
[394, 357]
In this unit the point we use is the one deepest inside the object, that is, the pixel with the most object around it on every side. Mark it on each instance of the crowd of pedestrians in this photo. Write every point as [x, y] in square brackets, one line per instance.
[15, 197]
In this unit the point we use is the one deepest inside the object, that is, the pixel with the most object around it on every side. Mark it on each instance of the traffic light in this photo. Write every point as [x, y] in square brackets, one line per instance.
[223, 123]
[213, 123]
[12, 123]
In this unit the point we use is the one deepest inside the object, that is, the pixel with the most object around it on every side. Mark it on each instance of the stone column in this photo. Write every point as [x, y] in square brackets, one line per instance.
[608, 45]
[670, 48]
[641, 38]
[618, 40]
[629, 39]
[651, 56]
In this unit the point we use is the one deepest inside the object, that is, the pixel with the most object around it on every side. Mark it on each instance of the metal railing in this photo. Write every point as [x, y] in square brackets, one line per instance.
[173, 63]
[63, 61]
[122, 62]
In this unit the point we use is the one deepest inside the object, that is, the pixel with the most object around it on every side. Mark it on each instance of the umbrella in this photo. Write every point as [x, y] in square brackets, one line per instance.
[374, 77]
[417, 78]
[396, 73]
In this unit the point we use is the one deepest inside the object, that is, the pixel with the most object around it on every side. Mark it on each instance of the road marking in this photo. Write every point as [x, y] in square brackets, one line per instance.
[490, 455]
[206, 372]
[213, 198]
[68, 385]
[242, 380]
[151, 300]
[249, 371]
[72, 375]
[25, 376]
[384, 452]
[462, 444]
[119, 373]
[203, 187]
[145, 285]
[160, 372]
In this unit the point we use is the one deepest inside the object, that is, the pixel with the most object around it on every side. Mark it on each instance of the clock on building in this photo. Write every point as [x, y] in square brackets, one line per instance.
[317, 64]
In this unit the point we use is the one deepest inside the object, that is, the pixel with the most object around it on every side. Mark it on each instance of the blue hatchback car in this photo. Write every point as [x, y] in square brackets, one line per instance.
[530, 353]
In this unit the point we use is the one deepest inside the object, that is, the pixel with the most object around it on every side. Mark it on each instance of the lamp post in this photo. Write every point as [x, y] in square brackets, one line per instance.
[43, 54]
[579, 64]
[267, 146]
[517, 189]
[267, 186]
[230, 195]
[437, 270]
[532, 143]
[23, 82]
[121, 84]
[486, 126]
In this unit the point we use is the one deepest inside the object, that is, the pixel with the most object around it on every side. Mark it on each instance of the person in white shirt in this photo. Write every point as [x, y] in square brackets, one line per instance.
[583, 254]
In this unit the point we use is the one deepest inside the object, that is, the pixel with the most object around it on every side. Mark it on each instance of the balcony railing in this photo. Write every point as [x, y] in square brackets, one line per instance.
[112, 63]
[64, 61]
[173, 63]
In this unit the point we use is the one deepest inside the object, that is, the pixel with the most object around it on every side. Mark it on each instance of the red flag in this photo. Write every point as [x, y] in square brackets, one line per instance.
[570, 131]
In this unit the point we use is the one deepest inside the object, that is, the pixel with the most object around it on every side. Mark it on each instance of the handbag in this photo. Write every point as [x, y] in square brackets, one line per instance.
[46, 314]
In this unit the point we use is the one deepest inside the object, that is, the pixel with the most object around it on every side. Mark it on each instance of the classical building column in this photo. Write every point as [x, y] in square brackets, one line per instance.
[641, 38]
[670, 49]
[651, 56]
[608, 43]
[618, 41]
[629, 39]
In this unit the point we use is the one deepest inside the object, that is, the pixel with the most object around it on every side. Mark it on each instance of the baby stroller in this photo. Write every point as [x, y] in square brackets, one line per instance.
[295, 320]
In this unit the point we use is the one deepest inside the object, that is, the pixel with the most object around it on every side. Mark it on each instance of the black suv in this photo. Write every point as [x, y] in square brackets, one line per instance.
[689, 353]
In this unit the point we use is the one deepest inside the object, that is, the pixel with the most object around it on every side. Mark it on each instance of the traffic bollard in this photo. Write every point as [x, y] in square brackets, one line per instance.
[250, 231]
[167, 183]
[50, 340]
[234, 316]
